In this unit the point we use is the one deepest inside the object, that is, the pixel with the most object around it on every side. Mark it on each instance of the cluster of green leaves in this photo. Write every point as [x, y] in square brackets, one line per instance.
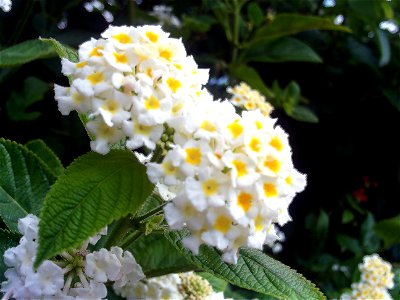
[256, 37]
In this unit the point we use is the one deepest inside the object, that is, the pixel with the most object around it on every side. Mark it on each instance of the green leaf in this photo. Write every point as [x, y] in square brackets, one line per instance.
[93, 191]
[282, 50]
[349, 243]
[254, 271]
[367, 10]
[301, 113]
[63, 51]
[24, 182]
[47, 156]
[393, 96]
[218, 284]
[322, 226]
[288, 24]
[7, 240]
[384, 47]
[347, 216]
[389, 231]
[369, 240]
[250, 75]
[255, 14]
[157, 256]
[198, 23]
[25, 52]
[32, 91]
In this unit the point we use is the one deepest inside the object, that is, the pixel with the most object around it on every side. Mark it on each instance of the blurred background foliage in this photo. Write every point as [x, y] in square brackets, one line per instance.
[331, 69]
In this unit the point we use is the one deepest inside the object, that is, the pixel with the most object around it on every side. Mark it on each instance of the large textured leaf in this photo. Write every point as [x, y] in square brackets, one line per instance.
[94, 191]
[21, 100]
[288, 24]
[158, 257]
[25, 52]
[46, 155]
[254, 271]
[7, 240]
[389, 231]
[24, 182]
[281, 50]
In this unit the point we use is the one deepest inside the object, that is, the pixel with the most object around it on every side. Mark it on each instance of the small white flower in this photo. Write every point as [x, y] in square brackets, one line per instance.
[102, 265]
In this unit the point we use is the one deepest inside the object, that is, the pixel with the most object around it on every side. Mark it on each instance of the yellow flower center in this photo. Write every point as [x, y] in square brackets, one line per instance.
[96, 51]
[235, 128]
[123, 38]
[270, 190]
[111, 106]
[208, 126]
[240, 167]
[244, 201]
[289, 180]
[210, 187]
[142, 129]
[255, 144]
[151, 103]
[120, 58]
[95, 78]
[223, 224]
[166, 54]
[168, 168]
[174, 84]
[153, 37]
[193, 156]
[81, 64]
[273, 164]
[276, 143]
[258, 222]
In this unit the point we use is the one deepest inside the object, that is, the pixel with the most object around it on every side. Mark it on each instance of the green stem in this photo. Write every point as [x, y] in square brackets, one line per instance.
[131, 238]
[149, 214]
[120, 229]
[235, 31]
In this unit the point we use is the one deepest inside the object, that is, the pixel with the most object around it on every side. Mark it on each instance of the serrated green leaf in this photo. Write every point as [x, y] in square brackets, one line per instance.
[93, 191]
[389, 231]
[301, 113]
[63, 51]
[254, 271]
[288, 24]
[47, 156]
[255, 14]
[250, 76]
[158, 257]
[24, 182]
[32, 91]
[7, 240]
[282, 50]
[25, 52]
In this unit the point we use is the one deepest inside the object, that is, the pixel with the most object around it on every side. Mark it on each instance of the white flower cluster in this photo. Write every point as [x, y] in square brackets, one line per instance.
[173, 286]
[5, 5]
[130, 82]
[245, 97]
[233, 176]
[376, 279]
[76, 274]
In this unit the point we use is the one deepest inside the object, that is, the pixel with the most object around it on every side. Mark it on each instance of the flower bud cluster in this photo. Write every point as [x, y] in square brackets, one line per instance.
[130, 82]
[76, 274]
[233, 177]
[376, 279]
[183, 286]
[245, 97]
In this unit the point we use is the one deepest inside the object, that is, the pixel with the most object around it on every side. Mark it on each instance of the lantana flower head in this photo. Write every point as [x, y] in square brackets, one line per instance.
[129, 82]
